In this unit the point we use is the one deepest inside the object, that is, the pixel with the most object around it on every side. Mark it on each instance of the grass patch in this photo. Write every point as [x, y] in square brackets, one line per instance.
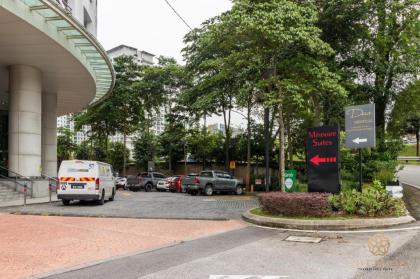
[409, 150]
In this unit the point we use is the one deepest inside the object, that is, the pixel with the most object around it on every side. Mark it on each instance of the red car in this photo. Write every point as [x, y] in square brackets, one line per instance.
[176, 183]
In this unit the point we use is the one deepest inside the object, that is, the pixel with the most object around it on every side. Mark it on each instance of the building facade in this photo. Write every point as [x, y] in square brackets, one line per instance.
[50, 65]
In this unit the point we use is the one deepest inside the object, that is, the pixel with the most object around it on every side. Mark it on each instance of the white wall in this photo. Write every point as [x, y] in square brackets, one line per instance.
[86, 11]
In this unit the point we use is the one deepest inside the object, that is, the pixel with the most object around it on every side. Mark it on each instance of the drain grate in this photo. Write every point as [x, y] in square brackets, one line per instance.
[304, 239]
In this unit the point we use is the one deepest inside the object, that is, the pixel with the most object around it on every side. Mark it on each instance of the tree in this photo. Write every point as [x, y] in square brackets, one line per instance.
[376, 44]
[173, 140]
[119, 113]
[406, 113]
[205, 147]
[280, 42]
[65, 145]
[117, 155]
[145, 149]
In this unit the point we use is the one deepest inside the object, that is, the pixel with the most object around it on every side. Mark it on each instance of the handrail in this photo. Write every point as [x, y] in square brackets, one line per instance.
[19, 175]
[49, 177]
[12, 180]
[24, 185]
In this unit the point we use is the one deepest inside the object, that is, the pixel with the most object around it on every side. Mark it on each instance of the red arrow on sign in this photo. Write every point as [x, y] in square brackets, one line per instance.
[317, 160]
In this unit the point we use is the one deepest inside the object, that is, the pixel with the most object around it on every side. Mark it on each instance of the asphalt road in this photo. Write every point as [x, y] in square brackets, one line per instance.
[410, 174]
[156, 205]
[256, 251]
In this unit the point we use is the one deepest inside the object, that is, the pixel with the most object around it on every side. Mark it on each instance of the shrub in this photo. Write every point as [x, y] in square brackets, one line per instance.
[373, 201]
[296, 204]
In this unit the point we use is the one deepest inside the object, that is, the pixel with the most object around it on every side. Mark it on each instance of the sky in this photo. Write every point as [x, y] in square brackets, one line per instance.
[152, 26]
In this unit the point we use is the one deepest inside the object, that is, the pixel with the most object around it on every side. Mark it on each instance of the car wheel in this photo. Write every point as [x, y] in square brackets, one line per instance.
[111, 198]
[66, 202]
[102, 200]
[239, 190]
[208, 190]
[148, 187]
[193, 193]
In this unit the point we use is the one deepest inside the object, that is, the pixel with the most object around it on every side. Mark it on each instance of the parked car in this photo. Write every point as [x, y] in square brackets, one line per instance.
[121, 182]
[209, 182]
[145, 180]
[163, 185]
[176, 183]
[187, 181]
[85, 180]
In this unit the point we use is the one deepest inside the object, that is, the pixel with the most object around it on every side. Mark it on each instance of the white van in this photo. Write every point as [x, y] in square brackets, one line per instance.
[85, 180]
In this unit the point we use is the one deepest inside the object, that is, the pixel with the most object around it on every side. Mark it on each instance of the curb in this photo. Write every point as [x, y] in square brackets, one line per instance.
[326, 225]
[99, 216]
[411, 185]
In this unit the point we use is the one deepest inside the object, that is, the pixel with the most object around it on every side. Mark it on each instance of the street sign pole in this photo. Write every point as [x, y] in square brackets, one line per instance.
[360, 131]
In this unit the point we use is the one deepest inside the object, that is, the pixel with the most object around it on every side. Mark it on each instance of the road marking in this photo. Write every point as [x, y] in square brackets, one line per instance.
[304, 239]
[248, 276]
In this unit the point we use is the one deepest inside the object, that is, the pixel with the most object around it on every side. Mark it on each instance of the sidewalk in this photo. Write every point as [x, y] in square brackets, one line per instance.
[29, 201]
[31, 245]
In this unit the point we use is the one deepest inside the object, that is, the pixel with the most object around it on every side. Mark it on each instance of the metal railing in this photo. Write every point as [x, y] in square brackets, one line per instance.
[408, 158]
[65, 4]
[16, 179]
[53, 183]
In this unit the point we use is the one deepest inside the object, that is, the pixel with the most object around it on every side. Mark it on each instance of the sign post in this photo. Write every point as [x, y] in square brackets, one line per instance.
[290, 180]
[360, 131]
[322, 151]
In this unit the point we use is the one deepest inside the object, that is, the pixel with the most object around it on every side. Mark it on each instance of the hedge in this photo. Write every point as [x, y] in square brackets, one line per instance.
[296, 204]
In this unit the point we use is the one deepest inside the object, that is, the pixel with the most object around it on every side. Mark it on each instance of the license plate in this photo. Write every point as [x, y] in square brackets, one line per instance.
[78, 186]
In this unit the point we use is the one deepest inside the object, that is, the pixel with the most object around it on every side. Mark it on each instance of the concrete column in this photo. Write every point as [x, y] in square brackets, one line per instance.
[49, 134]
[25, 120]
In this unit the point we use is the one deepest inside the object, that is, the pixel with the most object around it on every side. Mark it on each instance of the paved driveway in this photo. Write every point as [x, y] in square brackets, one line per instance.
[154, 205]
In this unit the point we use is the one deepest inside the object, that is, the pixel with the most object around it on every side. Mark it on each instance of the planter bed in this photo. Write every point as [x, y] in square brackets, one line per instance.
[329, 223]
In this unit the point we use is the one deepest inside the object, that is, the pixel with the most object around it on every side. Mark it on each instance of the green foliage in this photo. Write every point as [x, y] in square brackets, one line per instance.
[145, 150]
[84, 151]
[373, 201]
[205, 147]
[376, 44]
[172, 141]
[65, 145]
[116, 155]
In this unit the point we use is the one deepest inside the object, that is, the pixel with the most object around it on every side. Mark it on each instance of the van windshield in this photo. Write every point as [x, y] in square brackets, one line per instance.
[79, 168]
[73, 170]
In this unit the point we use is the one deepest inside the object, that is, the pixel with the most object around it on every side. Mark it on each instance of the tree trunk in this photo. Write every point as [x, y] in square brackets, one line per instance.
[281, 148]
[267, 136]
[289, 146]
[317, 111]
[227, 139]
[248, 148]
[125, 156]
[170, 158]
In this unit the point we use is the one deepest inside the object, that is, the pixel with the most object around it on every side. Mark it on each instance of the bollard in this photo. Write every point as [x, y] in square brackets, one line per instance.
[252, 188]
[25, 189]
[50, 189]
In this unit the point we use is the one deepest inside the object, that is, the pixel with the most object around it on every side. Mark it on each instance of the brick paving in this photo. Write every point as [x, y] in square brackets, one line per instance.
[31, 245]
[155, 205]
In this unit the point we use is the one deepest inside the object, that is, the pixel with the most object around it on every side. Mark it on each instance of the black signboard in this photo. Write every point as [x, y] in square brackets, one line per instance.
[322, 159]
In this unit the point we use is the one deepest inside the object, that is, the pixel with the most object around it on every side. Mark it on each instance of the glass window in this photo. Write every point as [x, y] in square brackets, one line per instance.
[206, 174]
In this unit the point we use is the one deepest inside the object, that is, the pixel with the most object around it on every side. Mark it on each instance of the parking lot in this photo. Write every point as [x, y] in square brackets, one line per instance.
[153, 205]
